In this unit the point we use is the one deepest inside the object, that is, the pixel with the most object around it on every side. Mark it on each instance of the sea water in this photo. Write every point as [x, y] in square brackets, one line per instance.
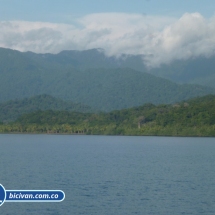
[110, 175]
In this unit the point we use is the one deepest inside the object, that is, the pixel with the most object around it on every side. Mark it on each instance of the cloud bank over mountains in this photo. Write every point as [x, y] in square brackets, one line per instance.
[159, 39]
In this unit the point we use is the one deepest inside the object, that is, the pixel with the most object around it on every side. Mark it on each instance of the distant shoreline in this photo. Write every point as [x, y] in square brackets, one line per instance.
[43, 133]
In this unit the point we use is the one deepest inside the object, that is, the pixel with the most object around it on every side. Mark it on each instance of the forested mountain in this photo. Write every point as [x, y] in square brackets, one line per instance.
[87, 77]
[200, 70]
[88, 59]
[11, 110]
[194, 117]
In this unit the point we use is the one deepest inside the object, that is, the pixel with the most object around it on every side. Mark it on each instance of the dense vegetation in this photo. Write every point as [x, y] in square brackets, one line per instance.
[89, 78]
[11, 110]
[199, 70]
[195, 117]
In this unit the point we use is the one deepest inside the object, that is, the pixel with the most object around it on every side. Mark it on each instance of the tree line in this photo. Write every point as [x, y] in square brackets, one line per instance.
[195, 117]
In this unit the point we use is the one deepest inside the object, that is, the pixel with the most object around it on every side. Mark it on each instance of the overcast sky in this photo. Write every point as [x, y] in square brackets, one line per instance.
[161, 30]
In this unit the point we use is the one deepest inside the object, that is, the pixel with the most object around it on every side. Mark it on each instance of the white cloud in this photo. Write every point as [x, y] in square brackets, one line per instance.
[159, 39]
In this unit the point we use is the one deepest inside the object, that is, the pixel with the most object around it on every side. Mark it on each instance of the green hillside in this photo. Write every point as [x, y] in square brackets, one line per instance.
[199, 70]
[11, 110]
[194, 117]
[65, 76]
[87, 59]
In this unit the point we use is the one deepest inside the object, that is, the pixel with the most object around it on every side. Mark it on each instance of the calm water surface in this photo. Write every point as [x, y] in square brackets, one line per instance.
[110, 175]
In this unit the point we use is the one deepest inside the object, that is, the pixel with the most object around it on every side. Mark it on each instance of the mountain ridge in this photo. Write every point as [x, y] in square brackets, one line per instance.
[198, 70]
[28, 74]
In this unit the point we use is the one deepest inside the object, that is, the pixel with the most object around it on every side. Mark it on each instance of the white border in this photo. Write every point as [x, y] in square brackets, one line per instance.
[34, 200]
[4, 200]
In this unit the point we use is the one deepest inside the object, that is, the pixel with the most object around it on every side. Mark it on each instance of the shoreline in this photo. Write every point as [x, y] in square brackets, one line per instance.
[121, 135]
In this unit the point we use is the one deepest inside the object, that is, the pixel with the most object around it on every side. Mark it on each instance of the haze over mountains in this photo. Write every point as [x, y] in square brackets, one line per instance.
[199, 70]
[105, 83]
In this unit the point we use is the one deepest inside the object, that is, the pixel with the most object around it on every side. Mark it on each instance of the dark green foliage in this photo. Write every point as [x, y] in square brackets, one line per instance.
[53, 117]
[195, 117]
[11, 110]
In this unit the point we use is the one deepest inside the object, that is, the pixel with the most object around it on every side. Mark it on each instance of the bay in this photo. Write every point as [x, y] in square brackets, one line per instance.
[110, 174]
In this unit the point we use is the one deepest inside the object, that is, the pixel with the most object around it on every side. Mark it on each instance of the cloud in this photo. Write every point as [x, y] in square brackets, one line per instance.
[159, 39]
